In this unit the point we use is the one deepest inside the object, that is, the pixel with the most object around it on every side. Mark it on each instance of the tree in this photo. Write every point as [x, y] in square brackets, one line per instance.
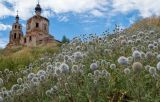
[65, 39]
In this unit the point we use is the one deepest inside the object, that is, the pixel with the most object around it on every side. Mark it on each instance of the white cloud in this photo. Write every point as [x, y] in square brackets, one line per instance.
[4, 27]
[146, 8]
[26, 7]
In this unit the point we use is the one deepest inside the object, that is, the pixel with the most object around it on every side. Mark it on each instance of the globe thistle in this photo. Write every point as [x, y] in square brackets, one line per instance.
[58, 71]
[158, 66]
[127, 71]
[136, 55]
[31, 75]
[94, 66]
[113, 66]
[78, 56]
[97, 73]
[147, 67]
[74, 68]
[137, 67]
[123, 60]
[105, 74]
[149, 55]
[130, 60]
[19, 80]
[150, 46]
[152, 70]
[6, 71]
[64, 67]
[158, 57]
[1, 99]
[1, 82]
[49, 93]
[42, 77]
[123, 42]
[41, 72]
[15, 87]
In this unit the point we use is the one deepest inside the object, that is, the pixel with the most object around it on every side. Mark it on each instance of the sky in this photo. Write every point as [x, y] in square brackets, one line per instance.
[75, 17]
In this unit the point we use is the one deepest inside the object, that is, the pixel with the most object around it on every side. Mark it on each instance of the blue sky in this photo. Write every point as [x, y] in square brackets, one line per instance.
[75, 17]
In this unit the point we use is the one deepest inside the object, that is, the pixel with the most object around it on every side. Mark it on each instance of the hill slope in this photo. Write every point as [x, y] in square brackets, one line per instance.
[121, 67]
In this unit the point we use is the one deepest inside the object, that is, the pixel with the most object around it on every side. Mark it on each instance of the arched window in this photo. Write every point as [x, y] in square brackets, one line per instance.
[15, 26]
[30, 38]
[37, 25]
[25, 40]
[14, 35]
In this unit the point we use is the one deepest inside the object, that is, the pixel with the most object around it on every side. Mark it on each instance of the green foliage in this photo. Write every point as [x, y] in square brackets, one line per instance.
[65, 39]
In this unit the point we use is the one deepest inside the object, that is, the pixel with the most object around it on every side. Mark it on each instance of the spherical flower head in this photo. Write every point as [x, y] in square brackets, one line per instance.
[136, 55]
[64, 67]
[127, 71]
[137, 67]
[78, 55]
[58, 71]
[1, 82]
[130, 60]
[152, 70]
[74, 68]
[41, 72]
[149, 55]
[158, 66]
[19, 80]
[94, 66]
[42, 77]
[6, 71]
[97, 73]
[123, 60]
[30, 76]
[105, 74]
[158, 57]
[123, 42]
[1, 99]
[15, 87]
[151, 46]
[113, 66]
[49, 93]
[147, 67]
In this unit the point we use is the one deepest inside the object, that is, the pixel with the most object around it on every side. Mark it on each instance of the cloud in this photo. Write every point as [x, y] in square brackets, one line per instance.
[4, 27]
[146, 8]
[26, 7]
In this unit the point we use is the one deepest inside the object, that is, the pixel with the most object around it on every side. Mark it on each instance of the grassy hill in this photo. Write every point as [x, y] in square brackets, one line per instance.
[15, 59]
[120, 67]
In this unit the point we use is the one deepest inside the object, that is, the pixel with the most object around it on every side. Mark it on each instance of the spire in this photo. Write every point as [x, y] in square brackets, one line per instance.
[38, 9]
[17, 17]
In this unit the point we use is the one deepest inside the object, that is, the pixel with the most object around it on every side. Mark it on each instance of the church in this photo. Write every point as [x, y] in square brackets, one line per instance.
[37, 31]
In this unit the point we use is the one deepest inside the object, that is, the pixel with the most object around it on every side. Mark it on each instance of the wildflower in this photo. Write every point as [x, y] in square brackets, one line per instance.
[149, 55]
[94, 66]
[137, 66]
[150, 46]
[1, 99]
[123, 42]
[1, 82]
[30, 76]
[78, 55]
[127, 71]
[158, 57]
[158, 66]
[152, 70]
[147, 67]
[123, 60]
[113, 66]
[19, 80]
[64, 67]
[41, 72]
[136, 55]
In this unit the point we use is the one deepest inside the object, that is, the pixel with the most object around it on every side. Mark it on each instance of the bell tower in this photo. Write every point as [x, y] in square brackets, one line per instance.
[16, 33]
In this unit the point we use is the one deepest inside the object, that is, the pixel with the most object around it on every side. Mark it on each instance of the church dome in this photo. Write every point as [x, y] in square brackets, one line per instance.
[38, 8]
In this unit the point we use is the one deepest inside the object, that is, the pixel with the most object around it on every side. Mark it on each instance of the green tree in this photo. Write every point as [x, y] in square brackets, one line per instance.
[65, 39]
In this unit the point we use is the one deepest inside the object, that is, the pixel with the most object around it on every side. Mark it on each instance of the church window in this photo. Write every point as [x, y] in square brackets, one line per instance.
[14, 35]
[19, 27]
[37, 25]
[25, 40]
[30, 38]
[45, 27]
[15, 26]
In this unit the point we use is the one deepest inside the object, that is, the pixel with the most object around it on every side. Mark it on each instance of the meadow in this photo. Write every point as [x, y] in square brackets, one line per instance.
[114, 67]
